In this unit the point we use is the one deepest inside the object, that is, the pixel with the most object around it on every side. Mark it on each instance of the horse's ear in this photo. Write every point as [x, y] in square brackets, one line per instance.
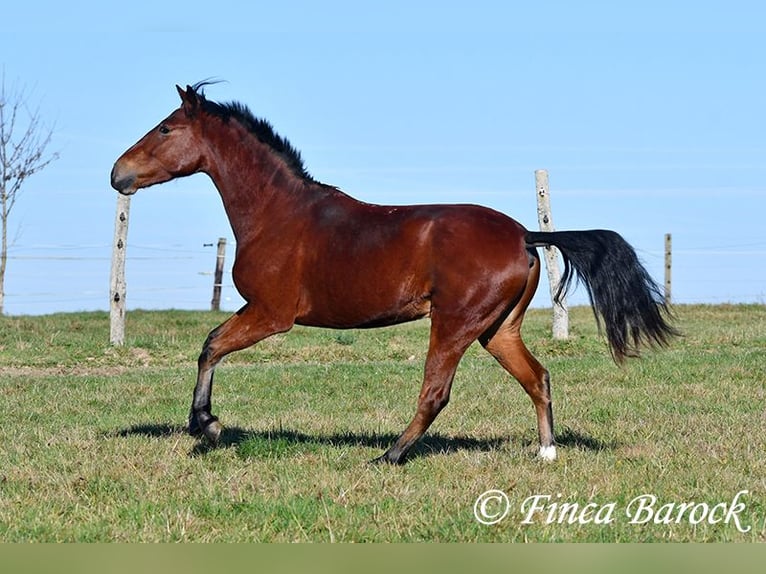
[189, 98]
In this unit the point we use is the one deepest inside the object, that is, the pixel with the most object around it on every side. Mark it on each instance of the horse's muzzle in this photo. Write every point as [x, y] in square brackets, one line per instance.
[124, 183]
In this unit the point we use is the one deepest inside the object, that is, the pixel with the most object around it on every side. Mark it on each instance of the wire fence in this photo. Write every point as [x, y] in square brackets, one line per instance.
[44, 279]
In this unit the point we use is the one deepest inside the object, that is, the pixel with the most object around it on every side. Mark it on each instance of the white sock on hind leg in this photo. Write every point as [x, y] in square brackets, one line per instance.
[547, 453]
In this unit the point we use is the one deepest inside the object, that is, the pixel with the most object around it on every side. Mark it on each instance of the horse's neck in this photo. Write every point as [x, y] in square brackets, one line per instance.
[254, 184]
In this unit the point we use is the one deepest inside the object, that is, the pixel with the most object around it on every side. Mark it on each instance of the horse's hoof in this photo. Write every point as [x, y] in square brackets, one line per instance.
[386, 458]
[213, 431]
[193, 429]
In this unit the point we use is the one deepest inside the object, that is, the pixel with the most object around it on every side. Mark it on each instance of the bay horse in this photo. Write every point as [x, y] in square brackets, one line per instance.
[308, 254]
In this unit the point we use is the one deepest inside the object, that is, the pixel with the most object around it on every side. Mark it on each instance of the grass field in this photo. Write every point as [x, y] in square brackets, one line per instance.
[92, 446]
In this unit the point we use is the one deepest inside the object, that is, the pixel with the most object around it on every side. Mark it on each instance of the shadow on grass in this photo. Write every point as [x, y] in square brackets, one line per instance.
[570, 438]
[279, 442]
[150, 430]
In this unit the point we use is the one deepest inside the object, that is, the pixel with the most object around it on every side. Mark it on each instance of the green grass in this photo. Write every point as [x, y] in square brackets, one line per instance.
[92, 446]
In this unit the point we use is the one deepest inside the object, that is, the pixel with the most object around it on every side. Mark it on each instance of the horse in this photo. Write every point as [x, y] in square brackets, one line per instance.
[309, 254]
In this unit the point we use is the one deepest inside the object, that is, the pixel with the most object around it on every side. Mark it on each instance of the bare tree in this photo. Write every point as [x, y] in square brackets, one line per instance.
[23, 143]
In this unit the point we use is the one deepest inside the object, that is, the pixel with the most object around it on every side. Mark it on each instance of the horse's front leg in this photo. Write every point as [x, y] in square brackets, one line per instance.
[201, 419]
[240, 331]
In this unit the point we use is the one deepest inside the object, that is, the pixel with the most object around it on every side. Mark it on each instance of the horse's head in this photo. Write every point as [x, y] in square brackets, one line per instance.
[168, 151]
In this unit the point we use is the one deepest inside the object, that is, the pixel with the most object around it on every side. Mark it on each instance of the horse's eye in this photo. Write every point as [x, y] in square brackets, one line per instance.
[164, 130]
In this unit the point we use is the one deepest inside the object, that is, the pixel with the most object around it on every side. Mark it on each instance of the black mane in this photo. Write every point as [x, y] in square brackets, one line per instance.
[259, 127]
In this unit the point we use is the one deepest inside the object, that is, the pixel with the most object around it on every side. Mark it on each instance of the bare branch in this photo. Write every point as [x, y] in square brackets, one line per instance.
[24, 141]
[22, 149]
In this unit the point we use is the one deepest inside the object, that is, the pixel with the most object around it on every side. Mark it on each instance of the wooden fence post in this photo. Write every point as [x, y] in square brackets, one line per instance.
[668, 265]
[117, 283]
[545, 219]
[215, 304]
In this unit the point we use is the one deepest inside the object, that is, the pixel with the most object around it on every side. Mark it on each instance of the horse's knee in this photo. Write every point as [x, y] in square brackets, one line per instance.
[207, 355]
[204, 357]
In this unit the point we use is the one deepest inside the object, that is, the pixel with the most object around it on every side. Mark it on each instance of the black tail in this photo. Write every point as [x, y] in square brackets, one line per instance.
[621, 291]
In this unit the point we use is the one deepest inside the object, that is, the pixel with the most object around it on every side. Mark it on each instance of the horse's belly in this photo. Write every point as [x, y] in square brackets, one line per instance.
[350, 310]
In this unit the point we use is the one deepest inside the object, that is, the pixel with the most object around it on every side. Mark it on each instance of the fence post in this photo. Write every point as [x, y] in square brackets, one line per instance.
[668, 265]
[215, 304]
[545, 219]
[117, 283]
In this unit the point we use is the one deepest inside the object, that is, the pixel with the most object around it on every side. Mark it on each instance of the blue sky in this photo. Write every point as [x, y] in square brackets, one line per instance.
[649, 117]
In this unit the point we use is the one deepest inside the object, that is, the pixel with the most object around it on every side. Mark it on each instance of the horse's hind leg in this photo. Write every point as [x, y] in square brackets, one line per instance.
[444, 353]
[509, 350]
[505, 344]
[240, 331]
